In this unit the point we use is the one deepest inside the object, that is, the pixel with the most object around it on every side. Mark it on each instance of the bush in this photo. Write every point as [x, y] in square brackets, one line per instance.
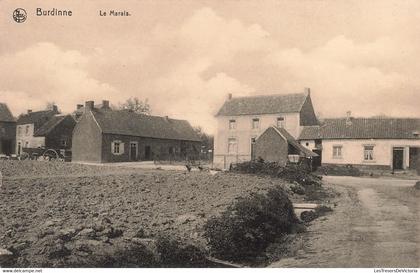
[290, 172]
[342, 170]
[247, 227]
[174, 253]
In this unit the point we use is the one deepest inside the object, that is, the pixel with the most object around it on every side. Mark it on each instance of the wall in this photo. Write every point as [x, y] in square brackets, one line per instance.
[159, 148]
[87, 140]
[8, 135]
[27, 139]
[243, 134]
[63, 131]
[352, 151]
[271, 147]
[307, 114]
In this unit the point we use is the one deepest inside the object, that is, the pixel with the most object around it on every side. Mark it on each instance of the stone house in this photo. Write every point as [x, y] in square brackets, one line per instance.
[277, 145]
[385, 143]
[241, 120]
[7, 131]
[106, 135]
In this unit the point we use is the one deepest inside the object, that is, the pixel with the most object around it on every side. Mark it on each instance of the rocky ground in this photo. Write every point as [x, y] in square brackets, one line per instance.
[63, 214]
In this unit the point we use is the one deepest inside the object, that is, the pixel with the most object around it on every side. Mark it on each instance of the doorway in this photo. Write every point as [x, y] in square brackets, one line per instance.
[147, 153]
[133, 151]
[398, 158]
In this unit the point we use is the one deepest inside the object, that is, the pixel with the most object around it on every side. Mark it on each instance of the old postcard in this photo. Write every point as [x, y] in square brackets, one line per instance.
[210, 134]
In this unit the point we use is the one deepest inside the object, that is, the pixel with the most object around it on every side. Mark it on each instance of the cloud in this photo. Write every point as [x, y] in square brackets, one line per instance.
[44, 72]
[187, 68]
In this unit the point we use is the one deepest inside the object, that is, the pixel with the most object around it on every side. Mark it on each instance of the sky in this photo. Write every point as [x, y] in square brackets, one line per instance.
[186, 56]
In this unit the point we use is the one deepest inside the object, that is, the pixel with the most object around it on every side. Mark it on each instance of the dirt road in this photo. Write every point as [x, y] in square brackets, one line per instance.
[375, 224]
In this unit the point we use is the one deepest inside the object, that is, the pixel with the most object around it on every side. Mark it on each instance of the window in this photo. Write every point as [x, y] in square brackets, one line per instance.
[232, 146]
[27, 130]
[368, 153]
[19, 132]
[117, 147]
[26, 144]
[255, 123]
[280, 122]
[232, 124]
[337, 151]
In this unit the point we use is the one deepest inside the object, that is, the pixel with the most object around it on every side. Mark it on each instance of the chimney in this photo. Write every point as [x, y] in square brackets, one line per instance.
[105, 104]
[79, 106]
[348, 118]
[89, 105]
[29, 111]
[166, 118]
[307, 91]
[55, 108]
[229, 96]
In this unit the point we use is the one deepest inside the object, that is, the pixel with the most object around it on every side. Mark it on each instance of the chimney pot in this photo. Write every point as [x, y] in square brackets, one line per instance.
[229, 96]
[29, 111]
[105, 104]
[89, 105]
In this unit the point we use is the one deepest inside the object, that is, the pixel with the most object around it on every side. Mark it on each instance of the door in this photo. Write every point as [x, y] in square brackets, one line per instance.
[133, 151]
[253, 148]
[398, 159]
[148, 153]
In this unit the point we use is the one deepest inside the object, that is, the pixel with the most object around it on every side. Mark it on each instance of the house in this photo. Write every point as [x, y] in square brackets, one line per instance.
[28, 124]
[106, 135]
[7, 130]
[385, 143]
[277, 145]
[57, 132]
[241, 120]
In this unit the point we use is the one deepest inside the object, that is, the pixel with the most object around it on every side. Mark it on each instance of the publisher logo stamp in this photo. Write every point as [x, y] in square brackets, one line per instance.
[19, 15]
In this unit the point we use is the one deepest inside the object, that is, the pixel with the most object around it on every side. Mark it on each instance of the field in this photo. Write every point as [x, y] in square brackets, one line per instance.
[63, 214]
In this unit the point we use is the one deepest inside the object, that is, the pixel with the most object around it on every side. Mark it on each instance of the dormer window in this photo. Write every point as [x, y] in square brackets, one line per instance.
[232, 124]
[255, 123]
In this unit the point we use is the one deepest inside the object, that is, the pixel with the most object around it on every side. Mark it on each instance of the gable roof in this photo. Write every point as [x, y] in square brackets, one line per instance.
[364, 128]
[271, 104]
[5, 114]
[292, 141]
[124, 122]
[38, 118]
[48, 126]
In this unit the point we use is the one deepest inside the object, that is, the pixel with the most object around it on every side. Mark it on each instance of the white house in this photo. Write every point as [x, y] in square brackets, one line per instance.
[28, 124]
[386, 143]
[241, 120]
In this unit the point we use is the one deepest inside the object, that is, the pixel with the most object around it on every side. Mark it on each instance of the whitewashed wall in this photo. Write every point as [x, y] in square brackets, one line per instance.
[243, 134]
[353, 151]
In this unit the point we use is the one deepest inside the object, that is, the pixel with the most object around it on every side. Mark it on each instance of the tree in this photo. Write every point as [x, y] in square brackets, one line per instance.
[207, 141]
[136, 105]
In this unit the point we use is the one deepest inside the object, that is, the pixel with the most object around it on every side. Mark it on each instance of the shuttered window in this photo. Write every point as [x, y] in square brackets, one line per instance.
[117, 147]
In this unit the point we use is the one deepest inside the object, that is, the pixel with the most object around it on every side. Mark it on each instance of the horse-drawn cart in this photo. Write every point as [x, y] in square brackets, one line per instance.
[45, 154]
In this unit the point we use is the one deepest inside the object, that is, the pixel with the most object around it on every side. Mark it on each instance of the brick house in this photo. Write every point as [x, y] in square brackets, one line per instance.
[57, 132]
[7, 131]
[106, 135]
[385, 143]
[277, 145]
[241, 120]
[44, 129]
